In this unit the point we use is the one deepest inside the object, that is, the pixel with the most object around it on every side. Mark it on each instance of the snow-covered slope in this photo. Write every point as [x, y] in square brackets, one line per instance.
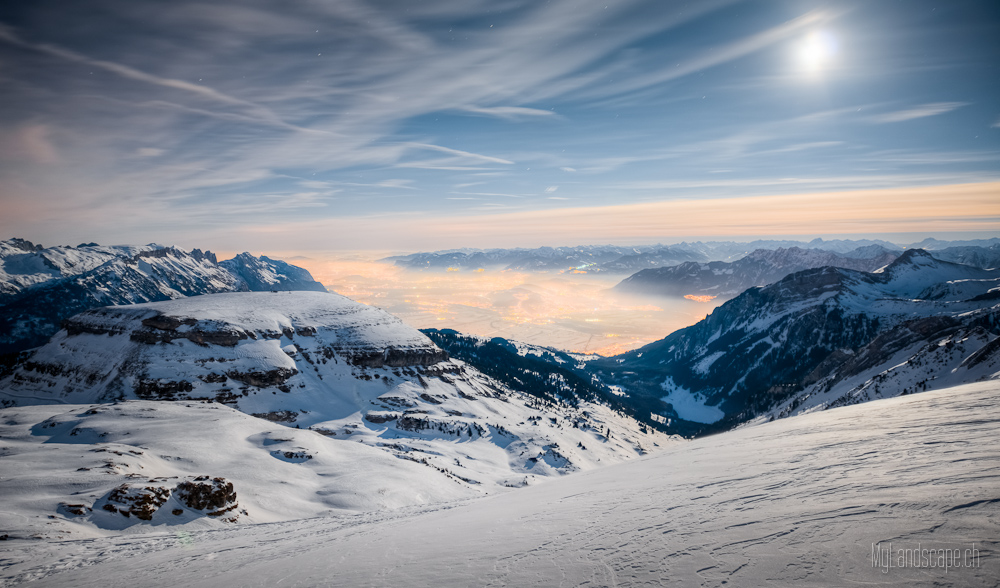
[759, 268]
[24, 265]
[985, 257]
[70, 462]
[769, 345]
[328, 366]
[798, 502]
[923, 354]
[39, 287]
[263, 273]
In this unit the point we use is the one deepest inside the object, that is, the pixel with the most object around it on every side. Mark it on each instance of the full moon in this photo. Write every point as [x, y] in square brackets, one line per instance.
[817, 51]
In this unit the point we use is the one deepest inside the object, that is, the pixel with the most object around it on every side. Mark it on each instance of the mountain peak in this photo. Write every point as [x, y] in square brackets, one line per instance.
[910, 259]
[913, 254]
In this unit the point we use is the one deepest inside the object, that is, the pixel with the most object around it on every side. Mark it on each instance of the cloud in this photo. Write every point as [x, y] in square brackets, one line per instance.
[922, 111]
[816, 182]
[551, 189]
[30, 142]
[462, 154]
[378, 68]
[397, 183]
[509, 112]
[7, 34]
[686, 66]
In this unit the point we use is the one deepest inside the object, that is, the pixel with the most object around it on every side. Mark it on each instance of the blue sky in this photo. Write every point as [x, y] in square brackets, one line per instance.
[362, 125]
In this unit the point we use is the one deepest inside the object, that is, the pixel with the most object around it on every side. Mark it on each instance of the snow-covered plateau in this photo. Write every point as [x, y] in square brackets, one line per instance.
[276, 406]
[829, 498]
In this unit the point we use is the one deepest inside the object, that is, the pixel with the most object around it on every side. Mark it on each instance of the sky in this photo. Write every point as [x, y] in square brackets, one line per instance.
[400, 125]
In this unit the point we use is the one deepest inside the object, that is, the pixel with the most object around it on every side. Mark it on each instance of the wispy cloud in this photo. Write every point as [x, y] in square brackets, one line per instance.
[922, 111]
[509, 112]
[462, 154]
[839, 182]
[8, 35]
[686, 66]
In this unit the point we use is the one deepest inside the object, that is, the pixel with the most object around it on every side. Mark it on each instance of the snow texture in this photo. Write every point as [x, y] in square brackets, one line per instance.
[795, 502]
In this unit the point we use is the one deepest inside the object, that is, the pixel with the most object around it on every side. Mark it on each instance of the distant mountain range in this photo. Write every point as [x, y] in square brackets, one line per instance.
[542, 259]
[626, 260]
[42, 286]
[759, 268]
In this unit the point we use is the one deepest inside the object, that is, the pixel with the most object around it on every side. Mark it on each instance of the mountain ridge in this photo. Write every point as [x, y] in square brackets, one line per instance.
[758, 268]
[39, 286]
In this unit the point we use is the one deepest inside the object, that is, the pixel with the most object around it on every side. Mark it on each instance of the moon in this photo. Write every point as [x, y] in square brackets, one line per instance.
[817, 51]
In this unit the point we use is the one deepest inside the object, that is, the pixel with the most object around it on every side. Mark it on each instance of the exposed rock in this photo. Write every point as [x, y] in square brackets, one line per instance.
[280, 416]
[213, 378]
[138, 500]
[392, 357]
[162, 389]
[217, 496]
[263, 379]
[300, 456]
[164, 329]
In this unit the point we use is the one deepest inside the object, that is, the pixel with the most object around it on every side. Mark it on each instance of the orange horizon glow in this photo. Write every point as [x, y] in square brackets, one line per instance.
[928, 209]
[698, 298]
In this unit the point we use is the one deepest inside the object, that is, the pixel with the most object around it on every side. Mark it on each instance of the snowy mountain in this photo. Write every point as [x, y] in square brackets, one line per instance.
[323, 375]
[620, 260]
[41, 286]
[733, 250]
[797, 502]
[261, 274]
[657, 257]
[759, 268]
[628, 260]
[984, 257]
[932, 244]
[764, 349]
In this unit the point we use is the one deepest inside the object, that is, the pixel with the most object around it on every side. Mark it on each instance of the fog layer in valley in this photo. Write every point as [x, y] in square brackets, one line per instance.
[574, 312]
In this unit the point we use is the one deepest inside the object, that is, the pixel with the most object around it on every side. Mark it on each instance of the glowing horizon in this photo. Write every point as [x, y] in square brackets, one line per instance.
[957, 208]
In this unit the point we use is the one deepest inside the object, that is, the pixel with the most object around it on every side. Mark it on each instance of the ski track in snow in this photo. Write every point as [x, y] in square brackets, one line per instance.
[799, 501]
